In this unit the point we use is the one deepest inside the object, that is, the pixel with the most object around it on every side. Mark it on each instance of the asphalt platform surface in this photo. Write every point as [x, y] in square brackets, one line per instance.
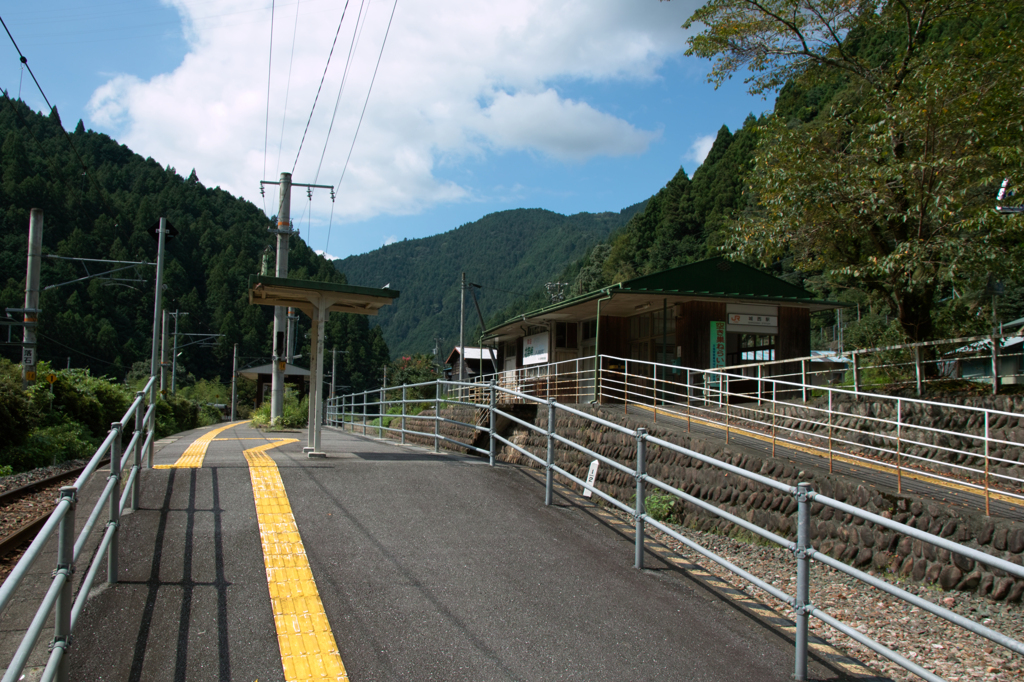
[430, 567]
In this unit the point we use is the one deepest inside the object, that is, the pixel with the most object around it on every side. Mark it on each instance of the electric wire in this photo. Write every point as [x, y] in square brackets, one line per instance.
[75, 350]
[356, 33]
[56, 114]
[320, 87]
[266, 130]
[365, 103]
[288, 85]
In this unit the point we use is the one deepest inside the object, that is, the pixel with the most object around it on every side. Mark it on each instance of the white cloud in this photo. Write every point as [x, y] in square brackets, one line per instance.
[459, 79]
[321, 252]
[390, 240]
[700, 148]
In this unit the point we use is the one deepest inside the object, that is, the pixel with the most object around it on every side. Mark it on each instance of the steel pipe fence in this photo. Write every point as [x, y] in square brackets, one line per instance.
[493, 397]
[58, 600]
[895, 433]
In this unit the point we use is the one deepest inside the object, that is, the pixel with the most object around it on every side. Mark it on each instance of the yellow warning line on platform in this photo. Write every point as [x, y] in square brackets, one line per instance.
[308, 649]
[194, 454]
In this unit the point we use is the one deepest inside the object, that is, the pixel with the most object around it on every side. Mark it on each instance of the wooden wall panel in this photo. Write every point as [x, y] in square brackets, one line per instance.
[794, 340]
[693, 331]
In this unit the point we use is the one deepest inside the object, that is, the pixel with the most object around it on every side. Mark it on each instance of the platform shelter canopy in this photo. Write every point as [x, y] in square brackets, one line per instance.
[317, 300]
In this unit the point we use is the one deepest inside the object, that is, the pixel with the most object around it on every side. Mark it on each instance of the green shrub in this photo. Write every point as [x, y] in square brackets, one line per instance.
[50, 445]
[296, 413]
[659, 507]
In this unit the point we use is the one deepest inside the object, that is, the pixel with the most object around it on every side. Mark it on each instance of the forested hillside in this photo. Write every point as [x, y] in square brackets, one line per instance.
[103, 213]
[509, 254]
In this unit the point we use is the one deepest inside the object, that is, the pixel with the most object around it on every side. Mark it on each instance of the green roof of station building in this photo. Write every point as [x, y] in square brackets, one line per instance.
[714, 278]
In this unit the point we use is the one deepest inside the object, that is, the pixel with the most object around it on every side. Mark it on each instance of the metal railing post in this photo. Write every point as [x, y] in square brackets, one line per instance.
[856, 373]
[152, 426]
[641, 473]
[803, 378]
[114, 503]
[689, 393]
[491, 431]
[775, 408]
[437, 413]
[724, 383]
[380, 411]
[66, 598]
[625, 388]
[760, 383]
[917, 370]
[802, 578]
[403, 415]
[829, 430]
[366, 397]
[549, 474]
[986, 464]
[899, 446]
[140, 436]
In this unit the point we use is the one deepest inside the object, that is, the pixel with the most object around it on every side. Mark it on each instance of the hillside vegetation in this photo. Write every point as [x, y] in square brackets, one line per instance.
[107, 325]
[508, 254]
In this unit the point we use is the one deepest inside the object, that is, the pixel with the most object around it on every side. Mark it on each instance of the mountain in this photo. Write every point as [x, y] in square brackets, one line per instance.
[98, 199]
[510, 254]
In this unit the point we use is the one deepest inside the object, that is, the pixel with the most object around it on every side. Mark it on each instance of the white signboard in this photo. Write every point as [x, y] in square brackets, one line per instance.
[753, 318]
[591, 477]
[28, 356]
[535, 349]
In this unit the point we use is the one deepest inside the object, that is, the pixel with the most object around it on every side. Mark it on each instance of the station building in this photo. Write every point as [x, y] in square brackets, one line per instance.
[704, 315]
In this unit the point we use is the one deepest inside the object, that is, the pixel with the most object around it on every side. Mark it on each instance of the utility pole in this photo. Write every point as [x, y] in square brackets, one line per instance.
[234, 383]
[31, 312]
[163, 354]
[283, 232]
[157, 301]
[462, 329]
[174, 354]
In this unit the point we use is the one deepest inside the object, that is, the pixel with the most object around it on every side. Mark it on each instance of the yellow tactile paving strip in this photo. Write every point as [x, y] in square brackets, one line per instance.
[308, 649]
[195, 453]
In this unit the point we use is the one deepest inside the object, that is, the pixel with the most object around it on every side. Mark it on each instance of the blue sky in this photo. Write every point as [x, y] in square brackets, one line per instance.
[568, 105]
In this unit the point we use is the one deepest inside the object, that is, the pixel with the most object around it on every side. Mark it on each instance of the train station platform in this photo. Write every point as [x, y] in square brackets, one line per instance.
[249, 561]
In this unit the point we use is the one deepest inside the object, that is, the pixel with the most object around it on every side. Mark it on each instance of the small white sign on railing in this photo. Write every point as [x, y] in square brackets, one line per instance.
[591, 477]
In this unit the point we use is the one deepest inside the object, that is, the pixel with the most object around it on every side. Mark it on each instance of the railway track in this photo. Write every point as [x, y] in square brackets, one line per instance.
[24, 510]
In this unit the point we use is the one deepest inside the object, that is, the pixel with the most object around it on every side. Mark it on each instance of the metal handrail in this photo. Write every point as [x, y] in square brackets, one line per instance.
[683, 392]
[58, 598]
[802, 550]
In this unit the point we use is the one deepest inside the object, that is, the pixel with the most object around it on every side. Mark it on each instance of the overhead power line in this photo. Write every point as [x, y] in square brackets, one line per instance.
[363, 112]
[318, 89]
[266, 130]
[288, 85]
[344, 79]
